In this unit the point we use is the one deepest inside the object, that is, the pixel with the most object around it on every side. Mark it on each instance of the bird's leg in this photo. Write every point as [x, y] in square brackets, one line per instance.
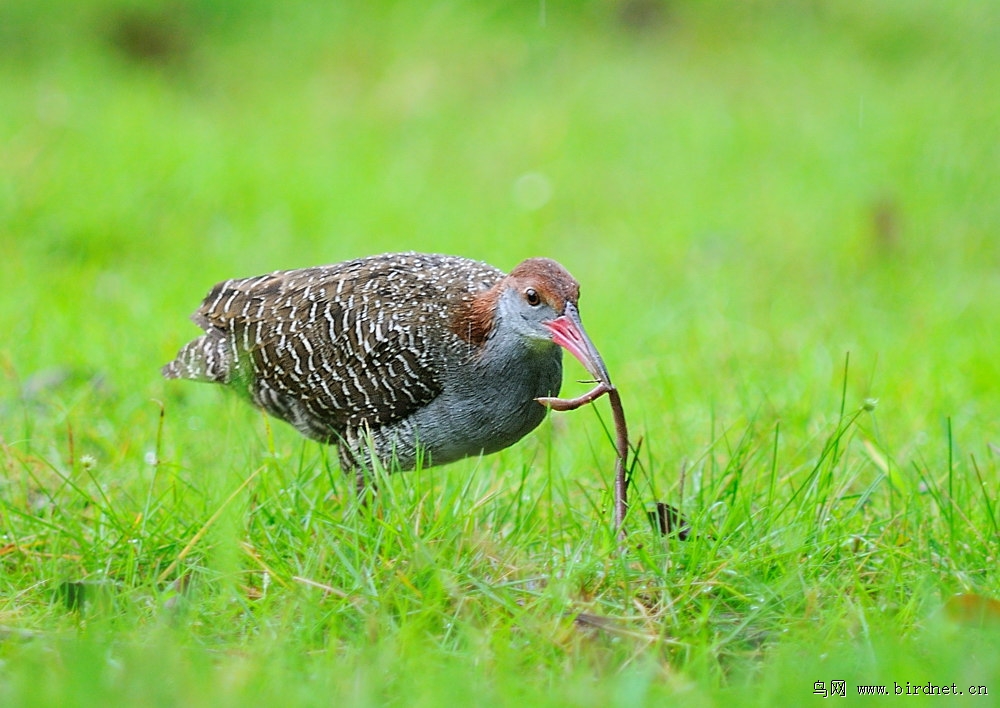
[570, 404]
[365, 485]
[352, 463]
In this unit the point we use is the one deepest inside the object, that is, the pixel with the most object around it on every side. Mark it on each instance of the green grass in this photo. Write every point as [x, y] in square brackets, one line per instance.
[783, 216]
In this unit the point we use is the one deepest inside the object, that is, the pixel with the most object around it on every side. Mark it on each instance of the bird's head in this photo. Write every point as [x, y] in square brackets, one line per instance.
[538, 301]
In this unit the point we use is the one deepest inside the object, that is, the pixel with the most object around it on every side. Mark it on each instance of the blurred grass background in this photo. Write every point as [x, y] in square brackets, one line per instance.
[747, 191]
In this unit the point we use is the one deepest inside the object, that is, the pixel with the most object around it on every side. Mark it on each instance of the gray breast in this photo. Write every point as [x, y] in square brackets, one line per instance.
[487, 403]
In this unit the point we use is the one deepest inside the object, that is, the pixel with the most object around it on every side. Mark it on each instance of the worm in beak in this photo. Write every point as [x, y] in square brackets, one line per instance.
[568, 332]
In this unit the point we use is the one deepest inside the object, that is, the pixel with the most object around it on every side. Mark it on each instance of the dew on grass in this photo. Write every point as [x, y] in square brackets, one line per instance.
[532, 191]
[52, 106]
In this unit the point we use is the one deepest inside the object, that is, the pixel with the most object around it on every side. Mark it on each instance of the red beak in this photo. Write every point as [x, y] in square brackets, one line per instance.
[567, 332]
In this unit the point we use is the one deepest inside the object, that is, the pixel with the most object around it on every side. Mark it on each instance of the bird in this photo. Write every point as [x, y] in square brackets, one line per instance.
[402, 360]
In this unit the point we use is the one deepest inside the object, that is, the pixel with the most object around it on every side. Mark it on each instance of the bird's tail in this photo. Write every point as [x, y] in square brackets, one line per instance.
[206, 358]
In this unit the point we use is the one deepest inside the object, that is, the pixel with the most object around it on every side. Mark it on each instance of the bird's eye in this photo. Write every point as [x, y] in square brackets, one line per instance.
[533, 298]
